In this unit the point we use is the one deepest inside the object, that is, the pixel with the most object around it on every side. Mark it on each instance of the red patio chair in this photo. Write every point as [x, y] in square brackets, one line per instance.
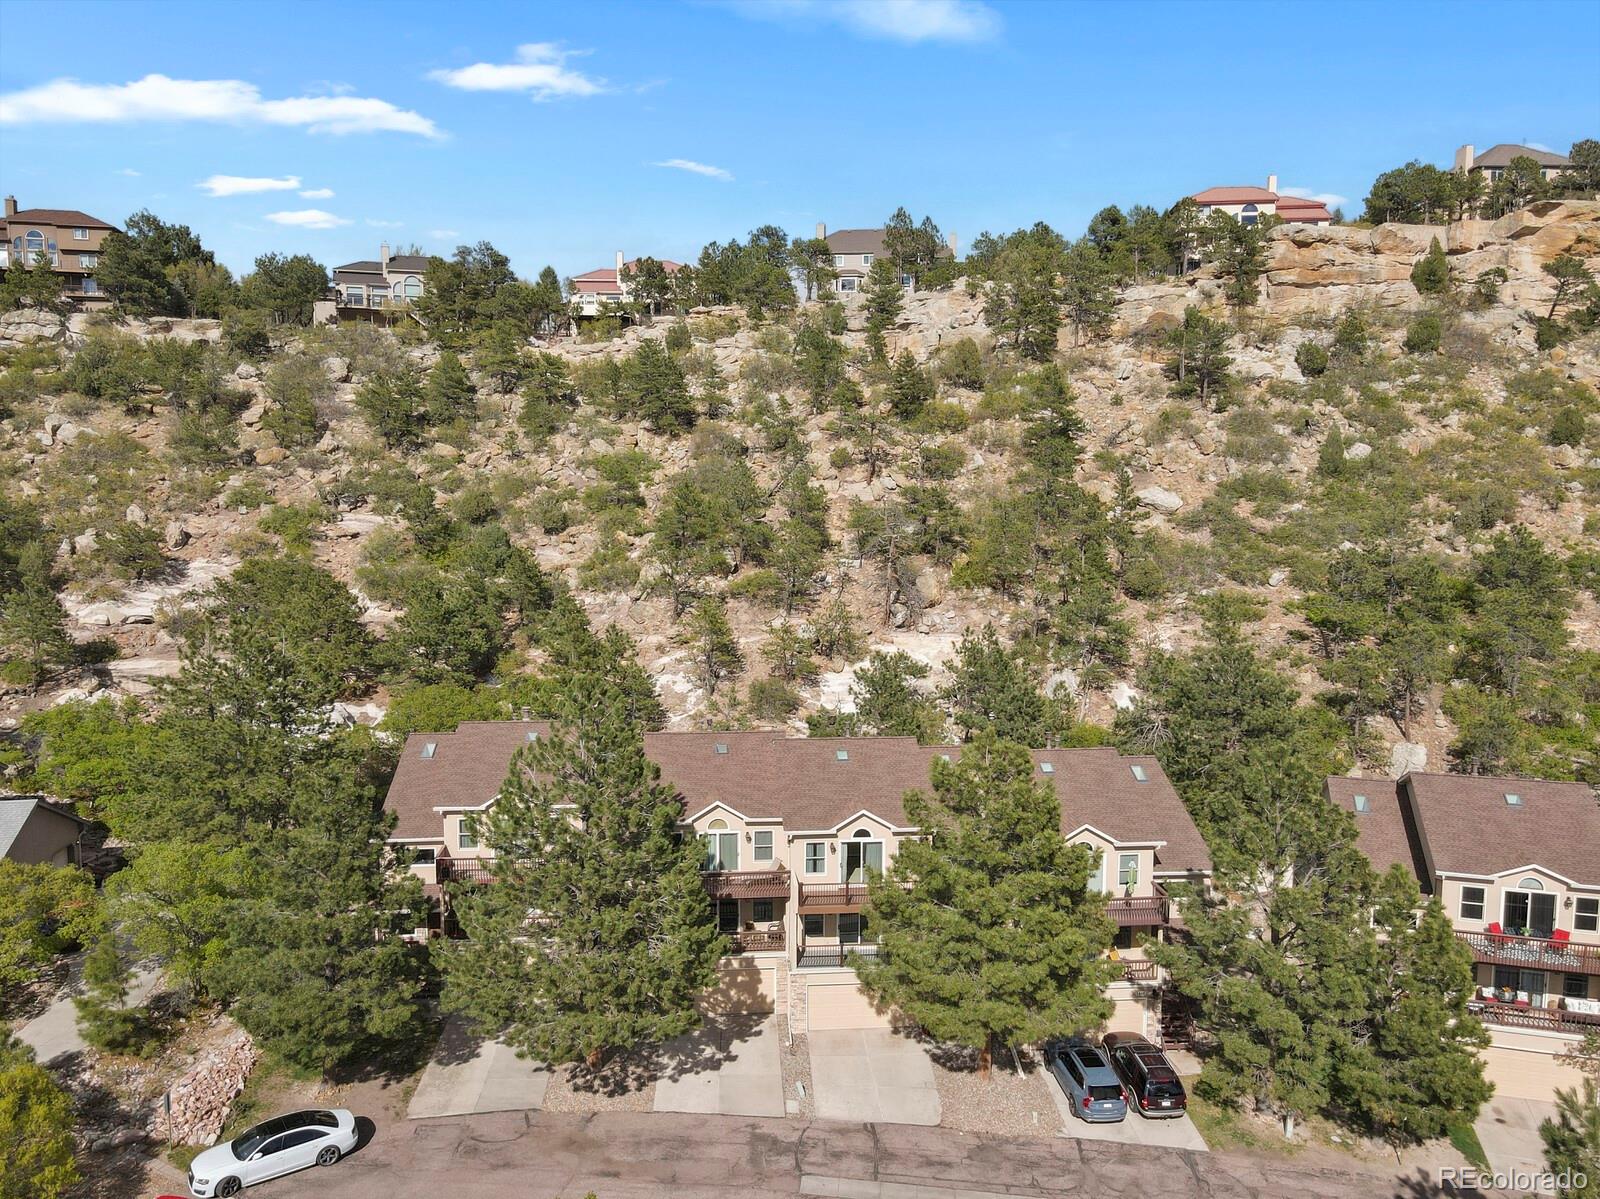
[1561, 934]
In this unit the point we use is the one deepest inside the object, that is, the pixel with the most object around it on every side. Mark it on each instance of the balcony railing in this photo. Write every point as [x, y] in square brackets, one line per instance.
[833, 955]
[832, 895]
[379, 302]
[746, 884]
[463, 870]
[1536, 953]
[1138, 970]
[1510, 1015]
[756, 941]
[1143, 911]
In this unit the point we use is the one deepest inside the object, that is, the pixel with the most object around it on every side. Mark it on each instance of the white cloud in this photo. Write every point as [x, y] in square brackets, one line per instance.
[443, 234]
[696, 168]
[307, 218]
[1331, 199]
[160, 98]
[376, 224]
[245, 185]
[129, 172]
[540, 69]
[897, 20]
[317, 193]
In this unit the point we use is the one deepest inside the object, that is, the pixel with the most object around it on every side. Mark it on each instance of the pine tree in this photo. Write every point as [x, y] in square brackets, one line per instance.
[910, 387]
[1412, 1070]
[103, 1017]
[990, 689]
[622, 943]
[1572, 1139]
[36, 1123]
[1087, 291]
[33, 630]
[711, 644]
[451, 395]
[989, 935]
[883, 297]
[331, 983]
[392, 402]
[1199, 363]
[1431, 274]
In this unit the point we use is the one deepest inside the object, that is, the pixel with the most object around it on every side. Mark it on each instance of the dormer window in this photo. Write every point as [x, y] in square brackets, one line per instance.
[1139, 774]
[1513, 800]
[430, 748]
[1362, 804]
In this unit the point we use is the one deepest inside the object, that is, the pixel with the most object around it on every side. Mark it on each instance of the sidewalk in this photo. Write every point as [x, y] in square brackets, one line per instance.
[54, 1033]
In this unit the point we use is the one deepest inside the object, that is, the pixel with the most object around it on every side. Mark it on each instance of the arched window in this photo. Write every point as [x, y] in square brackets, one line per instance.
[718, 824]
[410, 287]
[1531, 884]
[1248, 214]
[862, 833]
[35, 241]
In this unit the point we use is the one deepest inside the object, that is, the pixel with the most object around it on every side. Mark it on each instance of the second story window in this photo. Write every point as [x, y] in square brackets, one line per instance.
[1586, 915]
[468, 838]
[88, 261]
[722, 847]
[816, 857]
[762, 849]
[1128, 870]
[80, 234]
[866, 260]
[1472, 903]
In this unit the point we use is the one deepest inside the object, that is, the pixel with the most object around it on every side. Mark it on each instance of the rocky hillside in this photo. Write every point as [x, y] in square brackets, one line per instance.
[1233, 498]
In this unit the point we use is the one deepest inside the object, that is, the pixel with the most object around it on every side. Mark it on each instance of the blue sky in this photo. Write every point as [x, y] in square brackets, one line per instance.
[564, 132]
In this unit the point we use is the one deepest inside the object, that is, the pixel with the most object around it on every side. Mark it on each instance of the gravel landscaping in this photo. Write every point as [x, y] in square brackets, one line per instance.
[624, 1084]
[796, 1058]
[1006, 1105]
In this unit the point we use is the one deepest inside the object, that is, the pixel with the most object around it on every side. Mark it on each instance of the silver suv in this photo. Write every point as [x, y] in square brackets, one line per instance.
[1092, 1087]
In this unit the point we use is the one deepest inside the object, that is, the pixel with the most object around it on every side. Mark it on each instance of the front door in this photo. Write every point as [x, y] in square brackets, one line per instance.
[861, 857]
[728, 916]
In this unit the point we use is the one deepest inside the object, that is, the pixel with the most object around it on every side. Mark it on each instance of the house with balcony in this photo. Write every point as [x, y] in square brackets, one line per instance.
[1492, 163]
[378, 291]
[69, 241]
[793, 828]
[1516, 865]
[855, 250]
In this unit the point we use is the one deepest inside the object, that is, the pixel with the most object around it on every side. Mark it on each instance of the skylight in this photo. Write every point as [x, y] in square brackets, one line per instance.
[721, 747]
[430, 748]
[1361, 803]
[1139, 774]
[1514, 800]
[1047, 767]
[533, 734]
[842, 755]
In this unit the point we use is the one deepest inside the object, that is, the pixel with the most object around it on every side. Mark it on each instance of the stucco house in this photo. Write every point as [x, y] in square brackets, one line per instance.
[379, 290]
[70, 241]
[792, 827]
[854, 251]
[33, 830]
[1249, 204]
[1493, 161]
[1516, 864]
[593, 290]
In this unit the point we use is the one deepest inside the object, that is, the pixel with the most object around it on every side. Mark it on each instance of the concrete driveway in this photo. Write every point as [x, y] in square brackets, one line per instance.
[730, 1067]
[1508, 1129]
[469, 1075]
[872, 1076]
[1133, 1129]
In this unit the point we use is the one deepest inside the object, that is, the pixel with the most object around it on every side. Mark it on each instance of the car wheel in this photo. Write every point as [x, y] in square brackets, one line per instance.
[329, 1155]
[227, 1187]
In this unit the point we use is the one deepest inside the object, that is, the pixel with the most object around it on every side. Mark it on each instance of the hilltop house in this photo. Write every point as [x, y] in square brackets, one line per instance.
[33, 830]
[1516, 865]
[1249, 204]
[792, 827]
[593, 290]
[380, 291]
[854, 251]
[70, 242]
[1493, 161]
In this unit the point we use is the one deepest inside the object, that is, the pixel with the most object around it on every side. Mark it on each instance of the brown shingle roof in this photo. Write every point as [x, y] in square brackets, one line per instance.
[67, 217]
[1385, 832]
[1501, 156]
[855, 241]
[1469, 828]
[802, 781]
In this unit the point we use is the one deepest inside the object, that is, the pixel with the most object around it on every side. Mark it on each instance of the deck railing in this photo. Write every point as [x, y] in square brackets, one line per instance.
[463, 870]
[1536, 953]
[1143, 911]
[746, 884]
[833, 955]
[756, 941]
[1509, 1015]
[832, 895]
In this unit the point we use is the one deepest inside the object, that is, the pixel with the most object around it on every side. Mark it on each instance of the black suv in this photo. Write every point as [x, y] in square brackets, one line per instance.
[1152, 1083]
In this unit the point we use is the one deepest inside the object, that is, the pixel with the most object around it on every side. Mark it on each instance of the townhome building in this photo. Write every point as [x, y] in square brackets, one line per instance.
[855, 250]
[593, 291]
[792, 829]
[1516, 865]
[378, 291]
[69, 241]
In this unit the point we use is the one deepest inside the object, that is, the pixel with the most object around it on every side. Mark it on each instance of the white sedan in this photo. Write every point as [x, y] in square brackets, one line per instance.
[278, 1146]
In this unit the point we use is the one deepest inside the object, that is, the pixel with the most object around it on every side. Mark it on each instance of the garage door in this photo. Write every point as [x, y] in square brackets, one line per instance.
[842, 1005]
[1521, 1074]
[1128, 1015]
[742, 991]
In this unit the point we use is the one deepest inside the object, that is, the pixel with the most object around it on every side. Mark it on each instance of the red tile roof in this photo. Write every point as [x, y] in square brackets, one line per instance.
[1236, 195]
[605, 279]
[801, 781]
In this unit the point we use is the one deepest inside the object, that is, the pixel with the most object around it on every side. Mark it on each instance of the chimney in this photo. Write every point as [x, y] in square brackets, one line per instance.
[954, 252]
[619, 266]
[1464, 159]
[383, 257]
[11, 206]
[1272, 184]
[822, 231]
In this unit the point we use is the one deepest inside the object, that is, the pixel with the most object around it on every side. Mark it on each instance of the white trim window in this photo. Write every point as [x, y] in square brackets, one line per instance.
[761, 845]
[80, 234]
[722, 847]
[88, 261]
[467, 835]
[866, 260]
[1128, 870]
[1586, 914]
[1472, 899]
[863, 857]
[848, 283]
[816, 857]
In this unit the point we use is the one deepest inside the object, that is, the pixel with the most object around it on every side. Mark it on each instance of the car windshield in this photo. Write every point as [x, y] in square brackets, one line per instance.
[1105, 1092]
[252, 1140]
